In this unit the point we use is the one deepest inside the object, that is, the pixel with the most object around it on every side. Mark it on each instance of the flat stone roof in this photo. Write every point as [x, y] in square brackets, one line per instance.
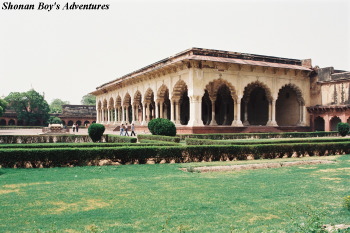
[200, 54]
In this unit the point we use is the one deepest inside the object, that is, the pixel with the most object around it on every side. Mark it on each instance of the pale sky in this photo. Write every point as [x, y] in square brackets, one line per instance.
[67, 54]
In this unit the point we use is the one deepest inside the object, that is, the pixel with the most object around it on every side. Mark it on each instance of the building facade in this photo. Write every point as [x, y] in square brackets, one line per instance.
[331, 99]
[211, 89]
[82, 115]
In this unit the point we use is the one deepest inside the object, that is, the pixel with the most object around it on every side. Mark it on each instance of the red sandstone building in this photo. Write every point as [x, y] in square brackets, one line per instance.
[82, 115]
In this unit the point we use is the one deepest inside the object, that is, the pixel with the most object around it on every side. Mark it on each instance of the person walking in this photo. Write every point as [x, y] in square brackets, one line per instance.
[126, 129]
[132, 129]
[73, 127]
[77, 127]
[121, 130]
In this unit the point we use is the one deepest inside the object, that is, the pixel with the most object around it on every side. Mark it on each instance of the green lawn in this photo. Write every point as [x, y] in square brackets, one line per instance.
[162, 198]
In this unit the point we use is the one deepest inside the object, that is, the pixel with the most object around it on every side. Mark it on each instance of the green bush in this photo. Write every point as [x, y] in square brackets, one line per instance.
[161, 126]
[96, 131]
[343, 128]
[54, 120]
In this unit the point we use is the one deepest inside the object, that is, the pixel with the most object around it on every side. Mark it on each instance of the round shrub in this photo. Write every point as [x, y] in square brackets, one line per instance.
[96, 131]
[54, 120]
[161, 126]
[152, 123]
[343, 129]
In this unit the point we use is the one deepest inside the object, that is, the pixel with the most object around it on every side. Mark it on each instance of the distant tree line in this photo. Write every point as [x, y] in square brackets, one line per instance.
[32, 109]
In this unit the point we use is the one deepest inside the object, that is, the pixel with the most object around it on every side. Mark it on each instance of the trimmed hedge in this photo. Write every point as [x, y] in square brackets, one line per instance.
[63, 138]
[158, 138]
[259, 135]
[117, 138]
[50, 157]
[67, 138]
[77, 145]
[158, 142]
[194, 141]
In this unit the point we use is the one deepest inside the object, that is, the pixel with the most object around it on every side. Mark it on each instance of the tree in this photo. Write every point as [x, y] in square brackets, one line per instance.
[30, 106]
[56, 105]
[88, 100]
[3, 105]
[54, 120]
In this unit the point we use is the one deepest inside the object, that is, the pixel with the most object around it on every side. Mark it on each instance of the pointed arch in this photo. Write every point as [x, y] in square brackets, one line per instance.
[111, 103]
[213, 87]
[256, 104]
[333, 123]
[149, 95]
[104, 106]
[162, 90]
[164, 102]
[99, 105]
[297, 90]
[127, 99]
[138, 107]
[179, 88]
[257, 84]
[149, 105]
[118, 101]
[137, 97]
[319, 124]
[289, 106]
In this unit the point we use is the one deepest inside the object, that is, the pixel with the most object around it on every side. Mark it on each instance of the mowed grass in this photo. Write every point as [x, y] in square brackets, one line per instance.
[162, 198]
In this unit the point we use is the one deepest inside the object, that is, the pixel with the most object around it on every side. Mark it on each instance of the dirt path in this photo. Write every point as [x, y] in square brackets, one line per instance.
[256, 166]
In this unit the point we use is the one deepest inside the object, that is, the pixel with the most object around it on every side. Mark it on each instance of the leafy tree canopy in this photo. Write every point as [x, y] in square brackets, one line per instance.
[54, 120]
[30, 106]
[88, 100]
[3, 105]
[56, 105]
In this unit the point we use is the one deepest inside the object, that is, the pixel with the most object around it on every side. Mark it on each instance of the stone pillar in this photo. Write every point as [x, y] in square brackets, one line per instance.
[273, 114]
[115, 115]
[149, 112]
[213, 121]
[97, 115]
[123, 115]
[133, 114]
[103, 116]
[302, 110]
[304, 116]
[157, 109]
[246, 122]
[144, 122]
[327, 127]
[237, 121]
[108, 116]
[161, 113]
[177, 113]
[270, 114]
[172, 112]
[195, 111]
[127, 114]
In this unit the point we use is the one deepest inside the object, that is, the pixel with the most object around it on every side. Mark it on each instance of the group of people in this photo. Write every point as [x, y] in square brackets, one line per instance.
[75, 127]
[124, 130]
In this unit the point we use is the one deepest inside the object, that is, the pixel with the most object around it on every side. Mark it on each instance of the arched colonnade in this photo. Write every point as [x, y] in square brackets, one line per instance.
[219, 104]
